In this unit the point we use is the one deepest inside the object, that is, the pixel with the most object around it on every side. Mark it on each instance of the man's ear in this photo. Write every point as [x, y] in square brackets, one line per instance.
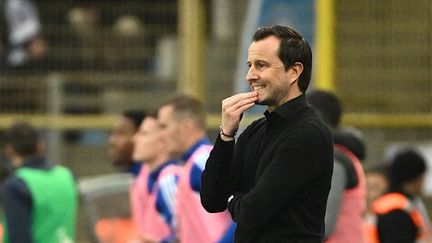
[295, 71]
[188, 124]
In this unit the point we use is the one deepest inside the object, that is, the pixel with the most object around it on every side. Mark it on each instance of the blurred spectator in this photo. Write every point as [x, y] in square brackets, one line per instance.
[24, 41]
[120, 229]
[86, 22]
[5, 170]
[84, 19]
[346, 201]
[376, 183]
[154, 191]
[183, 124]
[121, 143]
[5, 165]
[39, 198]
[91, 24]
[398, 219]
[128, 25]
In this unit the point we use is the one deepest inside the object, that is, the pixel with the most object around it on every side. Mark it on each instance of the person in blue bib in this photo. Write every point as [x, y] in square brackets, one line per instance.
[39, 198]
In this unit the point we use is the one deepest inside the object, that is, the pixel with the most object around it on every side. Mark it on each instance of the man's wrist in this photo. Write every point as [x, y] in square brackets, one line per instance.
[226, 137]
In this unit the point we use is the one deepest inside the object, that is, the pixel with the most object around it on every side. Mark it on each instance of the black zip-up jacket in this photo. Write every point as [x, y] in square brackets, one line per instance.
[279, 172]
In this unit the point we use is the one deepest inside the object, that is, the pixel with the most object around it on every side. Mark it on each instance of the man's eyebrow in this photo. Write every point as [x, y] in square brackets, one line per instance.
[258, 61]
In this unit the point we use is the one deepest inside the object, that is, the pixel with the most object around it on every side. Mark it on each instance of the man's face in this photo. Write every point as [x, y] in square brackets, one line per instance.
[147, 141]
[267, 74]
[171, 129]
[418, 185]
[120, 142]
[376, 184]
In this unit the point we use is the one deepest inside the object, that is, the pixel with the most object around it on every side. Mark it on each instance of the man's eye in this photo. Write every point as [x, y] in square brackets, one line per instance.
[259, 65]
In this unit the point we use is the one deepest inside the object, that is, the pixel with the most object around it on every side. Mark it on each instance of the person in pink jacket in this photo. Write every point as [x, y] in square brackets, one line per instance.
[182, 120]
[346, 204]
[154, 191]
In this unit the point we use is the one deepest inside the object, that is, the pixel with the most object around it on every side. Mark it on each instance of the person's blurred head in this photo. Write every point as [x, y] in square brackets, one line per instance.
[120, 140]
[22, 140]
[407, 172]
[328, 106]
[182, 121]
[351, 139]
[149, 146]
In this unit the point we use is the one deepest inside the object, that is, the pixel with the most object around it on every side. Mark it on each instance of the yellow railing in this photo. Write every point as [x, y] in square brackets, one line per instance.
[325, 45]
[77, 122]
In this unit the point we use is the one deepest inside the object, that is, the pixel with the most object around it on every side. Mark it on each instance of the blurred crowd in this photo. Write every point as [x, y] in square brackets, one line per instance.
[22, 39]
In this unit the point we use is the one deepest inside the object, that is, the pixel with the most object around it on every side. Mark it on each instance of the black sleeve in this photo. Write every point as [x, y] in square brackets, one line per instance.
[17, 204]
[223, 173]
[215, 181]
[396, 227]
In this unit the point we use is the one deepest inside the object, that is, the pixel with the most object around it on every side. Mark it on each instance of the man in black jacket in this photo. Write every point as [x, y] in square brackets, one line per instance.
[275, 179]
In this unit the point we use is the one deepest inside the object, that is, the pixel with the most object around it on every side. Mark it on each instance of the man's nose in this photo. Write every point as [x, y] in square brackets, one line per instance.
[251, 74]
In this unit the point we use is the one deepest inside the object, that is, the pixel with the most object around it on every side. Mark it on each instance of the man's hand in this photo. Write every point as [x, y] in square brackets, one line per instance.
[232, 109]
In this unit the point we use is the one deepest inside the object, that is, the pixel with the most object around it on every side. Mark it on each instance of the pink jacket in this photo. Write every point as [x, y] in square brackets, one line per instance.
[195, 225]
[155, 226]
[139, 195]
[350, 220]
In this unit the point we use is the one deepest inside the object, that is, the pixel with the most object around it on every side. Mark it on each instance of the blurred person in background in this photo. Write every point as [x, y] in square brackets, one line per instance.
[5, 170]
[154, 191]
[398, 220]
[183, 123]
[23, 40]
[40, 199]
[5, 165]
[377, 184]
[347, 197]
[120, 229]
[121, 143]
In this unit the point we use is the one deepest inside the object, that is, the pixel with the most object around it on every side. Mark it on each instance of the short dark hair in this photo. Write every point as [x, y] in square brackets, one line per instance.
[136, 116]
[327, 105]
[293, 48]
[23, 138]
[186, 106]
[408, 164]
